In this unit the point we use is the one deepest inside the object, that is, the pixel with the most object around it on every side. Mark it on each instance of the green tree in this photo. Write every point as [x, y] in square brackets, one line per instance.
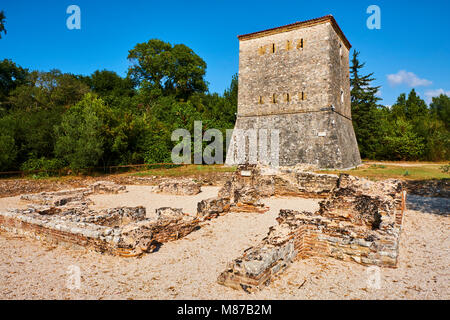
[366, 116]
[11, 76]
[81, 135]
[47, 90]
[108, 83]
[403, 143]
[440, 109]
[160, 68]
[2, 23]
[8, 152]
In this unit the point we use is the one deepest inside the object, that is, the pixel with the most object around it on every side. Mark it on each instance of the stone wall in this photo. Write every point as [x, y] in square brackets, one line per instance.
[249, 184]
[124, 231]
[179, 187]
[289, 80]
[360, 222]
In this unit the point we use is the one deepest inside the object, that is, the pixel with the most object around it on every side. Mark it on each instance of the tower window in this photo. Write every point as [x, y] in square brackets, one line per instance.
[288, 45]
[342, 96]
[300, 44]
[261, 100]
[302, 95]
[288, 98]
[273, 47]
[261, 50]
[274, 98]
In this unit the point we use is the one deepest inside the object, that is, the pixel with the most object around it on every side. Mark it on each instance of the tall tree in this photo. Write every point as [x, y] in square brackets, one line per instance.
[81, 134]
[11, 76]
[2, 23]
[440, 108]
[108, 83]
[165, 69]
[365, 114]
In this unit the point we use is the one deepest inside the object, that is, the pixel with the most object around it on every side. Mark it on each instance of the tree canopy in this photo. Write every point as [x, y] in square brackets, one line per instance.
[53, 120]
[162, 68]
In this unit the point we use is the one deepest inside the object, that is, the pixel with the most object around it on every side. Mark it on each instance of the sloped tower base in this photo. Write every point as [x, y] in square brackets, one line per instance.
[325, 139]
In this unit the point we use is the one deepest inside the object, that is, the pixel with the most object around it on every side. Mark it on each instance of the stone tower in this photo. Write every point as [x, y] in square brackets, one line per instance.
[295, 78]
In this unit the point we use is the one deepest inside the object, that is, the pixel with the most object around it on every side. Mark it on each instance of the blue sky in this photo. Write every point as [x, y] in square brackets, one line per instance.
[412, 48]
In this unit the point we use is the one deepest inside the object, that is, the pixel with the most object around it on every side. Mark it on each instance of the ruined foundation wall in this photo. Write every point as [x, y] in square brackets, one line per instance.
[249, 184]
[65, 217]
[359, 222]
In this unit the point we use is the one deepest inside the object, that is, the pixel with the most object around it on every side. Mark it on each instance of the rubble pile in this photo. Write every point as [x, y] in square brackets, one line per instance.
[251, 183]
[429, 188]
[242, 193]
[360, 221]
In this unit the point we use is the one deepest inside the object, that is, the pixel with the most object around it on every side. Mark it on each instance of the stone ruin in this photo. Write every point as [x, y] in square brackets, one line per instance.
[250, 183]
[65, 216]
[186, 187]
[359, 221]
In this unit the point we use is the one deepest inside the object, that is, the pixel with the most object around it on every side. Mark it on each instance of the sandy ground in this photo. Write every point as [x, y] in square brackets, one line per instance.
[143, 196]
[188, 268]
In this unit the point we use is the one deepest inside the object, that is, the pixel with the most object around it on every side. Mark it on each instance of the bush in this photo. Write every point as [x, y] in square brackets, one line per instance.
[8, 152]
[49, 167]
[445, 168]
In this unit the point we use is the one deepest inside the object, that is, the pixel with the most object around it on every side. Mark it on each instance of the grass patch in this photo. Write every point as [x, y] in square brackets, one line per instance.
[412, 171]
[185, 170]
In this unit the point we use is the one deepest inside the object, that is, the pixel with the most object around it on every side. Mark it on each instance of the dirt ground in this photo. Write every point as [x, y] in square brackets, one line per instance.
[188, 268]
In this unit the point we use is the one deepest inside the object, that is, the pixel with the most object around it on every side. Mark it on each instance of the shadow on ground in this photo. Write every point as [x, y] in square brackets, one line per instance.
[440, 206]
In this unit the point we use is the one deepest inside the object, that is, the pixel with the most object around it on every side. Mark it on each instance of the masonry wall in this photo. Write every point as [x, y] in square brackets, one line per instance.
[284, 71]
[360, 221]
[289, 81]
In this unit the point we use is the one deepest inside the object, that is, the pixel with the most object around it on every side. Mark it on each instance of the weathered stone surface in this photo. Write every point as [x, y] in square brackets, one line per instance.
[107, 187]
[179, 187]
[250, 183]
[360, 222]
[65, 216]
[297, 82]
[213, 207]
[300, 183]
[242, 193]
[170, 214]
[73, 197]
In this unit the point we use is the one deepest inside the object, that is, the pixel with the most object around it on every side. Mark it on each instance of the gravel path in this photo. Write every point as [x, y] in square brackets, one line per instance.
[188, 268]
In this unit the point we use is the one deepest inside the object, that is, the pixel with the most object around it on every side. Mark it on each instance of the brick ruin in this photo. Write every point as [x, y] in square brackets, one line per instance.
[179, 187]
[250, 183]
[65, 216]
[360, 221]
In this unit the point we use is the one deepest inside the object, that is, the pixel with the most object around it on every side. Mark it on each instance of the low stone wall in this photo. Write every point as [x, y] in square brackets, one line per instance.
[304, 184]
[359, 222]
[250, 183]
[112, 231]
[179, 187]
[107, 187]
[121, 231]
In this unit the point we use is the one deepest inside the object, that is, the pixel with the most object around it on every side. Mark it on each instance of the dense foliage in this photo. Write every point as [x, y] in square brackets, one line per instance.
[2, 23]
[53, 120]
[408, 130]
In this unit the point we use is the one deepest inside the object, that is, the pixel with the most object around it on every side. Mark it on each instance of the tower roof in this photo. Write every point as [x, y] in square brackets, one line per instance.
[298, 25]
